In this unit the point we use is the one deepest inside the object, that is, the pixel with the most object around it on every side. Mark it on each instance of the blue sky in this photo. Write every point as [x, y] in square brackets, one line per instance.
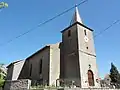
[22, 15]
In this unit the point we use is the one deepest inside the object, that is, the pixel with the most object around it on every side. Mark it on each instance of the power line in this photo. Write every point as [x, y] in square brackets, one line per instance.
[39, 25]
[102, 31]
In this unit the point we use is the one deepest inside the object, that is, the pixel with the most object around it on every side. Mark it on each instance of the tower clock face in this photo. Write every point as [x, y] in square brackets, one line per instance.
[86, 39]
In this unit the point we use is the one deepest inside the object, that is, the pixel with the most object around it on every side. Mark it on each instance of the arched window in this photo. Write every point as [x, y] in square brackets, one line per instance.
[30, 69]
[90, 78]
[40, 66]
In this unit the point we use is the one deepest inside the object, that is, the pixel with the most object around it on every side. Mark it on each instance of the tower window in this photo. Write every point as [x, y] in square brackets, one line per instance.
[69, 33]
[40, 66]
[86, 47]
[85, 32]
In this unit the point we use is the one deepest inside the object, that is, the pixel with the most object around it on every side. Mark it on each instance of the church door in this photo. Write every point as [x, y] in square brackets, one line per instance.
[90, 78]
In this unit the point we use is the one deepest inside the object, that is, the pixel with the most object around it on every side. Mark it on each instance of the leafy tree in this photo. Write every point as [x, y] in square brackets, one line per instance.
[3, 5]
[115, 76]
[2, 75]
[2, 82]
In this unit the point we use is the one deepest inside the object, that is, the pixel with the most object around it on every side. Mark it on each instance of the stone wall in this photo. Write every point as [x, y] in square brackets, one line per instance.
[23, 84]
[89, 89]
[74, 89]
[54, 69]
[36, 73]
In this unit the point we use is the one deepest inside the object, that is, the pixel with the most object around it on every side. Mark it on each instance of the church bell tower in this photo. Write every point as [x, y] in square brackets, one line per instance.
[78, 55]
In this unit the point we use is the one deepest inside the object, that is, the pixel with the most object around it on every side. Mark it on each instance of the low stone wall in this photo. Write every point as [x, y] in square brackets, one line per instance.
[75, 89]
[23, 84]
[89, 89]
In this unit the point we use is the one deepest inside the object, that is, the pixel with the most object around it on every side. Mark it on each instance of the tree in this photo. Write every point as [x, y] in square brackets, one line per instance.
[2, 75]
[3, 5]
[115, 76]
[2, 82]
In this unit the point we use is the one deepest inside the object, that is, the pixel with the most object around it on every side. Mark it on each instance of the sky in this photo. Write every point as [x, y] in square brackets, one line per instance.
[22, 15]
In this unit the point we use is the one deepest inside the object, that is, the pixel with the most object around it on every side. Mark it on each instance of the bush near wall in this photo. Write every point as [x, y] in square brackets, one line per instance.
[1, 83]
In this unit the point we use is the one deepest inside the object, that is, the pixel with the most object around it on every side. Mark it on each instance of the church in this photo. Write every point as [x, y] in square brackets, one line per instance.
[71, 60]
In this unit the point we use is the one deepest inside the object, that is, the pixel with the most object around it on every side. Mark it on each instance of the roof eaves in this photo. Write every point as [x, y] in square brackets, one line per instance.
[75, 24]
[38, 51]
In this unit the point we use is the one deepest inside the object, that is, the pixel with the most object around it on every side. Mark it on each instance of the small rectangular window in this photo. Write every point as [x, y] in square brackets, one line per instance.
[40, 64]
[69, 33]
[85, 32]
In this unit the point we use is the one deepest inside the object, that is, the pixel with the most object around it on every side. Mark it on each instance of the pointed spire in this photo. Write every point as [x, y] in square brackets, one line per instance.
[76, 17]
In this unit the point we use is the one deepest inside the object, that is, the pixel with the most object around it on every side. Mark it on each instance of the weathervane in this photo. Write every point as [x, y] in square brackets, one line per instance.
[75, 3]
